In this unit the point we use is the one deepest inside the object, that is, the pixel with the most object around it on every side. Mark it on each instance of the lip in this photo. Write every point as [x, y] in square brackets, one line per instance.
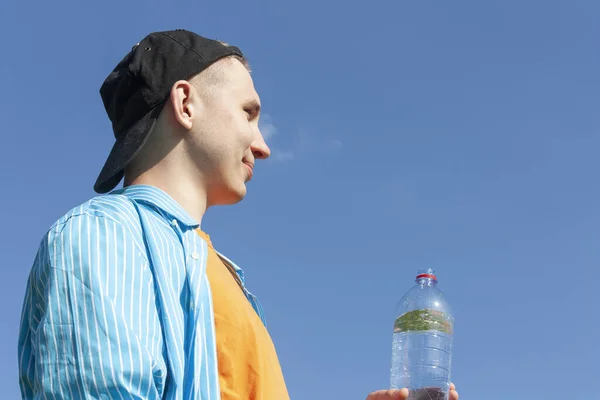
[249, 168]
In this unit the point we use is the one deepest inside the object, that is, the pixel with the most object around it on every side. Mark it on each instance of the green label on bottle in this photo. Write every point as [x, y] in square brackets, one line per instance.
[424, 320]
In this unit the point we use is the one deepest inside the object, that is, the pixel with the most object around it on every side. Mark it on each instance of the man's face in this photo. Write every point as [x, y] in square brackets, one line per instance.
[225, 140]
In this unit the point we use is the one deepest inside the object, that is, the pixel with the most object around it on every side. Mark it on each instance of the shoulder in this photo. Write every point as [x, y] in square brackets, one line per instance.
[110, 220]
[111, 208]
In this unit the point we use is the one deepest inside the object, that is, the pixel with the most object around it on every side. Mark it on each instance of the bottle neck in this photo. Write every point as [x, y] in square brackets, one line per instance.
[426, 281]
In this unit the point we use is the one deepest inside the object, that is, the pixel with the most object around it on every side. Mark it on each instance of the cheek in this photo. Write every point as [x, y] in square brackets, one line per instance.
[231, 129]
[226, 154]
[223, 142]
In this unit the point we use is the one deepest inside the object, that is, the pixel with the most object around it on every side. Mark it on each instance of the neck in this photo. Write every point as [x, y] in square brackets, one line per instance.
[162, 164]
[188, 195]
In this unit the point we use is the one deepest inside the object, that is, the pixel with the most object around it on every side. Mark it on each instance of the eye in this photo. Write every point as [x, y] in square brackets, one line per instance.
[249, 112]
[252, 110]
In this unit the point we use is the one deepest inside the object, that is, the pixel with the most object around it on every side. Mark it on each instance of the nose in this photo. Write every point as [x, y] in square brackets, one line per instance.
[260, 149]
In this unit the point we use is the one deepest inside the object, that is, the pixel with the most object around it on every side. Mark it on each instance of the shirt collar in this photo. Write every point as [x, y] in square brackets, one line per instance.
[237, 269]
[159, 199]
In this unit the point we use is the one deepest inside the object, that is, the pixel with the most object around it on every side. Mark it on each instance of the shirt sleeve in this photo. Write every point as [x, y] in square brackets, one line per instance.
[78, 336]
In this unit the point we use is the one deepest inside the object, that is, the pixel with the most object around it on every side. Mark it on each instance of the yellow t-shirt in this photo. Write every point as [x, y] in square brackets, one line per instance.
[248, 365]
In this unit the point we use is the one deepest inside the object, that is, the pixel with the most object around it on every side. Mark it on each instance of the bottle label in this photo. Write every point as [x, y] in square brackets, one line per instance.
[424, 320]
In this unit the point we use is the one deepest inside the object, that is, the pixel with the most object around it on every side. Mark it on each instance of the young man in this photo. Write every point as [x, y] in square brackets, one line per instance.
[127, 298]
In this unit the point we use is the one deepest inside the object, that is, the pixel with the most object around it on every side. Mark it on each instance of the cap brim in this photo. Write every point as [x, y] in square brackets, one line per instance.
[125, 149]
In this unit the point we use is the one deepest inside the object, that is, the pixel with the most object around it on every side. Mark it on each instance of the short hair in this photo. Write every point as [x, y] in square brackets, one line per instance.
[241, 59]
[212, 77]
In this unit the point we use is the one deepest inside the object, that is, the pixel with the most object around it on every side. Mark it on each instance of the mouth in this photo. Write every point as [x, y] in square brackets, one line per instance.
[249, 168]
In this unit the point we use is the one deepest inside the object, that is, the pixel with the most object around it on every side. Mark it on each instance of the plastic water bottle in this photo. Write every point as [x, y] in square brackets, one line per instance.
[422, 341]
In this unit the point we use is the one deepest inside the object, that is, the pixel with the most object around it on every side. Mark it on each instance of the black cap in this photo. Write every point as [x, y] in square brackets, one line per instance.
[136, 90]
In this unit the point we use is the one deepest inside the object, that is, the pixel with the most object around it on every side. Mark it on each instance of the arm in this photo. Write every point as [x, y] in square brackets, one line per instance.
[77, 340]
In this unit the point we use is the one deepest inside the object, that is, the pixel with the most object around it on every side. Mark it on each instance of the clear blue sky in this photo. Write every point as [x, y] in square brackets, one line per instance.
[458, 135]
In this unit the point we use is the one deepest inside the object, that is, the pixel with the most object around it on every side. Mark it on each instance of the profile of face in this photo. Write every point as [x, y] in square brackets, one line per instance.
[221, 139]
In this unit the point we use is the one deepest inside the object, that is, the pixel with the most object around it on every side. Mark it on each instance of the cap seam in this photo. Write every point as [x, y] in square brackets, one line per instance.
[184, 46]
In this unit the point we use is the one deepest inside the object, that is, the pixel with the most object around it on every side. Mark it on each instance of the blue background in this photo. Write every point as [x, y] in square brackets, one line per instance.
[457, 135]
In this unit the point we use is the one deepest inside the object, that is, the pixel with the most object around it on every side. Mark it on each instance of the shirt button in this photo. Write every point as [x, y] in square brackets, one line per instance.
[174, 222]
[195, 256]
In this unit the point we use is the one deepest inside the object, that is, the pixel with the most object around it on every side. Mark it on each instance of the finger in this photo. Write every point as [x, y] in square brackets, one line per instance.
[391, 394]
[453, 395]
[401, 394]
[452, 387]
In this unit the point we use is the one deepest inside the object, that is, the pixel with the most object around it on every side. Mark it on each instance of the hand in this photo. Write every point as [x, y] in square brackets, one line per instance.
[402, 394]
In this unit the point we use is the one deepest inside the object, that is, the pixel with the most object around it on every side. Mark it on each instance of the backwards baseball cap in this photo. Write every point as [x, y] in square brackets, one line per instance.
[136, 90]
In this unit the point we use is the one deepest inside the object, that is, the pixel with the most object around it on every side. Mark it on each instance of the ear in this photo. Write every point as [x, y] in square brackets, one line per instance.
[184, 103]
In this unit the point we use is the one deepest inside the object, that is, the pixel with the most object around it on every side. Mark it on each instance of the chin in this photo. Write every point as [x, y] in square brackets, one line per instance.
[234, 195]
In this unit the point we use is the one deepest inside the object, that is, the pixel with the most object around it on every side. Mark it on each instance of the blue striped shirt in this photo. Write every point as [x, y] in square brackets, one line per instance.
[118, 305]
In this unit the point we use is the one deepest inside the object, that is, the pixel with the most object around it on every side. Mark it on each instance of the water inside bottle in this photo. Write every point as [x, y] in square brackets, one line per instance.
[424, 320]
[428, 394]
[421, 348]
